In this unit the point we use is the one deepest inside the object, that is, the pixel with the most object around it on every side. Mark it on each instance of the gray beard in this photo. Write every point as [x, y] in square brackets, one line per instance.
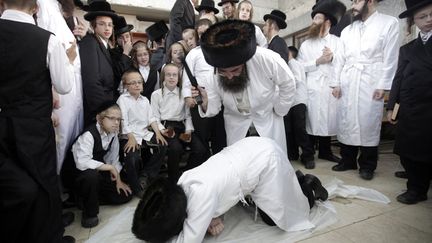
[236, 84]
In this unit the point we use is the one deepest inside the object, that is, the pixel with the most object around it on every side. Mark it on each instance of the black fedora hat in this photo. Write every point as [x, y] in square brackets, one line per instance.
[277, 16]
[157, 30]
[207, 5]
[332, 9]
[99, 8]
[412, 6]
[120, 26]
[229, 43]
[227, 1]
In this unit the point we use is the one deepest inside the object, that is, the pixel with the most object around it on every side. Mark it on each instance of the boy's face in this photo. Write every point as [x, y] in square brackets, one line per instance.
[110, 122]
[189, 37]
[134, 83]
[245, 11]
[104, 27]
[176, 53]
[171, 76]
[142, 56]
[124, 38]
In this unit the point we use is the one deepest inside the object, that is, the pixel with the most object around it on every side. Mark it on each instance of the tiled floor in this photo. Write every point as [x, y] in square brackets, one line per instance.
[359, 221]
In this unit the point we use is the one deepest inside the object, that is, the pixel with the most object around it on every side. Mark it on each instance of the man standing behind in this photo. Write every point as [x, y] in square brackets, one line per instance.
[228, 8]
[317, 55]
[182, 15]
[32, 60]
[274, 22]
[366, 68]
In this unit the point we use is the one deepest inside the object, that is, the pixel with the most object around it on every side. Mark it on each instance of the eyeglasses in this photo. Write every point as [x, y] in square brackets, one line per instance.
[423, 17]
[104, 24]
[135, 82]
[113, 119]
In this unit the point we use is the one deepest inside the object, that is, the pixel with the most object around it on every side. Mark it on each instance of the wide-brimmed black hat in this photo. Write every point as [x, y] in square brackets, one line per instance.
[332, 9]
[227, 1]
[229, 43]
[99, 8]
[120, 26]
[277, 16]
[161, 212]
[105, 106]
[207, 4]
[157, 30]
[412, 6]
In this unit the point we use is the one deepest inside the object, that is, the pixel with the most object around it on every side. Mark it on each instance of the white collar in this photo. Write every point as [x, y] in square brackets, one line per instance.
[425, 36]
[19, 16]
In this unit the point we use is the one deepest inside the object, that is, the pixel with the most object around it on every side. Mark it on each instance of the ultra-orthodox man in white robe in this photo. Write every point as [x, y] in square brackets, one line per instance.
[368, 62]
[252, 166]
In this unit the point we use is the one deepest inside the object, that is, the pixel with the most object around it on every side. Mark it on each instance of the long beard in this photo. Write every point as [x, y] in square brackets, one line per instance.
[363, 12]
[236, 84]
[315, 30]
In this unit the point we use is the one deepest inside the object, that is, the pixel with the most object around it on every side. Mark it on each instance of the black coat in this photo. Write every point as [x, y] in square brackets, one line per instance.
[413, 90]
[182, 15]
[278, 45]
[97, 76]
[121, 63]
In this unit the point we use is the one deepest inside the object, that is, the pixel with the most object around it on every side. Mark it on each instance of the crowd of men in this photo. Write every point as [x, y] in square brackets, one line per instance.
[61, 74]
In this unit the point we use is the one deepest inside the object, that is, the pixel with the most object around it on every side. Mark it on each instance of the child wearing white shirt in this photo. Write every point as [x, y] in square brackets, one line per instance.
[175, 122]
[137, 117]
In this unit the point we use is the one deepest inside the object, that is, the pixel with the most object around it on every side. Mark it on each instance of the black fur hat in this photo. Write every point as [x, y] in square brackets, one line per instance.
[332, 9]
[157, 30]
[161, 212]
[229, 43]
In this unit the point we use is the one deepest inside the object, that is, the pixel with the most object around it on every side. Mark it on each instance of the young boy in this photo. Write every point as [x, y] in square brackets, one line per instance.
[254, 166]
[96, 155]
[137, 116]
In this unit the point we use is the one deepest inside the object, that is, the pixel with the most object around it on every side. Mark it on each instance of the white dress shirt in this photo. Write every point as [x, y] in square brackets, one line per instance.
[170, 106]
[137, 115]
[199, 68]
[83, 150]
[61, 70]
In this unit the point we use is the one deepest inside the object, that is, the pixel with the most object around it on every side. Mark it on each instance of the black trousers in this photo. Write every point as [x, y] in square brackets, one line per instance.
[323, 144]
[419, 175]
[142, 162]
[295, 133]
[211, 130]
[96, 188]
[176, 149]
[367, 160]
[30, 205]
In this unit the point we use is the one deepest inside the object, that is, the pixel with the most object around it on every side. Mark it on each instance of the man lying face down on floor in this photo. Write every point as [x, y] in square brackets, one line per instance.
[254, 166]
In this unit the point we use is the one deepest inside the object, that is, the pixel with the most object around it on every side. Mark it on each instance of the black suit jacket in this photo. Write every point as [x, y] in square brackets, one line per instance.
[278, 45]
[97, 75]
[182, 15]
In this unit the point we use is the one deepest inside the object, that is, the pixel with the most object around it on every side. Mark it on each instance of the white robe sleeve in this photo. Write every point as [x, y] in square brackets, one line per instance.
[284, 79]
[391, 53]
[214, 99]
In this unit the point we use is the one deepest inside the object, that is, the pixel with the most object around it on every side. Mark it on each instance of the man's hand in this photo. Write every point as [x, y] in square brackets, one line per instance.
[203, 92]
[71, 52]
[80, 29]
[378, 94]
[216, 226]
[190, 102]
[326, 57]
[127, 47]
[389, 117]
[337, 93]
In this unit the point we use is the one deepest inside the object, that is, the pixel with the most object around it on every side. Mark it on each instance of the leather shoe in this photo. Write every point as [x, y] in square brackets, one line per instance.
[320, 193]
[308, 192]
[343, 167]
[309, 164]
[330, 157]
[401, 174]
[68, 239]
[89, 222]
[411, 197]
[366, 175]
[67, 218]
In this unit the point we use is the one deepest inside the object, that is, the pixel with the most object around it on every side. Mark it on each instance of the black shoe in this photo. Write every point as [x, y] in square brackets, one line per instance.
[309, 164]
[366, 175]
[308, 192]
[320, 193]
[67, 218]
[89, 222]
[300, 176]
[330, 157]
[401, 174]
[343, 167]
[411, 197]
[68, 239]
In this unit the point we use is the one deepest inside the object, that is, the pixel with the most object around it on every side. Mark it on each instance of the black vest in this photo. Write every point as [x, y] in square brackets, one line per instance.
[25, 82]
[98, 151]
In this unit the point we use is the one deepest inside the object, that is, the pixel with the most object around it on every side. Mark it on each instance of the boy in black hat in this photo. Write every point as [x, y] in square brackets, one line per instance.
[274, 22]
[96, 63]
[228, 8]
[157, 35]
[30, 203]
[96, 156]
[207, 6]
[316, 55]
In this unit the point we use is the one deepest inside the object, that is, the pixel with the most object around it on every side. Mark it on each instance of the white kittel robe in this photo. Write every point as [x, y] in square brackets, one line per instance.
[70, 112]
[321, 105]
[368, 62]
[271, 92]
[253, 166]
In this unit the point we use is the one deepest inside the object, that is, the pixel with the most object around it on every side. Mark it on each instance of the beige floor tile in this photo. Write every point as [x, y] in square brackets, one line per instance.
[415, 216]
[384, 229]
[332, 237]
